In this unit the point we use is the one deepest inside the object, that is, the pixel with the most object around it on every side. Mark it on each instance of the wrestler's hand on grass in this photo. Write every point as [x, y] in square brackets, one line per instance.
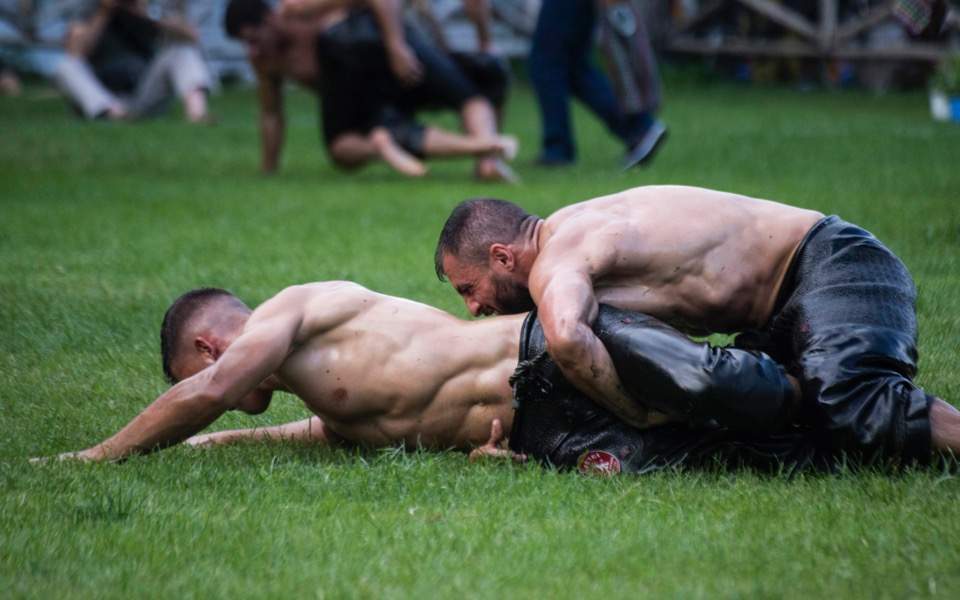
[88, 455]
[205, 439]
[492, 448]
[404, 63]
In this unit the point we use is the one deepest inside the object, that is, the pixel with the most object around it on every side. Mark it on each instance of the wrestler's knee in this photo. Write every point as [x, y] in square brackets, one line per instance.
[342, 158]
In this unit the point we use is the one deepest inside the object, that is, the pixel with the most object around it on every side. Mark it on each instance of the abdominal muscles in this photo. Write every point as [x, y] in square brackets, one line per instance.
[386, 391]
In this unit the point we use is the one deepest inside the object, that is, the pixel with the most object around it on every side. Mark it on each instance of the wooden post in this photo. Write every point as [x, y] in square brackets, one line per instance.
[824, 39]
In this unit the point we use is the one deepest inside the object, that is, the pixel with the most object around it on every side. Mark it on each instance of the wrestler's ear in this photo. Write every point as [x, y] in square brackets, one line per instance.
[208, 352]
[502, 257]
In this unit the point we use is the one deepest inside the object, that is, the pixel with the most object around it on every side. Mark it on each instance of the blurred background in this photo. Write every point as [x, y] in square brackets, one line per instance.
[833, 42]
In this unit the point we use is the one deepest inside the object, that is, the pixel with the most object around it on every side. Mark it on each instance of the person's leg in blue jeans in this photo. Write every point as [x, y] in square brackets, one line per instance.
[550, 75]
[589, 83]
[560, 63]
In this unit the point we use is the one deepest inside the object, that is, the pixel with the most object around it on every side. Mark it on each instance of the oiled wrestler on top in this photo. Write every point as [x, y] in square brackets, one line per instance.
[823, 297]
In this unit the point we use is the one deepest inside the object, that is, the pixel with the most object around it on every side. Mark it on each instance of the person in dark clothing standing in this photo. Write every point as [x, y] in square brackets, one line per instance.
[560, 65]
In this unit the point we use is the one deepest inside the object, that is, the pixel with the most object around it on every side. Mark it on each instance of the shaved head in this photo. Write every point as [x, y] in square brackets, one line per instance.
[474, 225]
[200, 311]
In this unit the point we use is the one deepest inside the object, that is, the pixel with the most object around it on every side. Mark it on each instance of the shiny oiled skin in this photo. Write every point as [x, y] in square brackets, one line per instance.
[382, 370]
[702, 260]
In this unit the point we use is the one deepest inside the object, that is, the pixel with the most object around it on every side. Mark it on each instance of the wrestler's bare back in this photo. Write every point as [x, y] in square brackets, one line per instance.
[293, 57]
[380, 370]
[703, 260]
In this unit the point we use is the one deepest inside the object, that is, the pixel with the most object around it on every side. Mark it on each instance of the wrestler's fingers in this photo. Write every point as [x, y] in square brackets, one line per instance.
[485, 452]
[496, 432]
[480, 453]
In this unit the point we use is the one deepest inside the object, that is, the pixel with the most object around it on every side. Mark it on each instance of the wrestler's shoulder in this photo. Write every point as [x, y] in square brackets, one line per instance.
[326, 304]
[582, 233]
[329, 288]
[331, 293]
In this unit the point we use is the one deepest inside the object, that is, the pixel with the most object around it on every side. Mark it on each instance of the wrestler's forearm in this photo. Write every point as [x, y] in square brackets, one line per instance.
[309, 430]
[176, 415]
[587, 365]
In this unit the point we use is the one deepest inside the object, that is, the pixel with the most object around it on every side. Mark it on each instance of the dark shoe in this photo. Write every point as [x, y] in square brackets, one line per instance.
[644, 150]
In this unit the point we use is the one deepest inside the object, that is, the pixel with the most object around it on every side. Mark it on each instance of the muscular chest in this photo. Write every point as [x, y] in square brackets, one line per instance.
[327, 382]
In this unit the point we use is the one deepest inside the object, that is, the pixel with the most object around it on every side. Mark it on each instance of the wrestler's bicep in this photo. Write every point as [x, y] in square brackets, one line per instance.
[255, 355]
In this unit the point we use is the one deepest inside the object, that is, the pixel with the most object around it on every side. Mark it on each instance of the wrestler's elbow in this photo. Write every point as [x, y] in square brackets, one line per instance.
[569, 345]
[209, 394]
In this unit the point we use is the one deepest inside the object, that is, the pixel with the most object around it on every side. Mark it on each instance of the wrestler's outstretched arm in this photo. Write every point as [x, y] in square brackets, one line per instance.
[198, 401]
[310, 430]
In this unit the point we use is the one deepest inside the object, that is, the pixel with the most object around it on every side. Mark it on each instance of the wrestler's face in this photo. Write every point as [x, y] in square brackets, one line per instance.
[487, 290]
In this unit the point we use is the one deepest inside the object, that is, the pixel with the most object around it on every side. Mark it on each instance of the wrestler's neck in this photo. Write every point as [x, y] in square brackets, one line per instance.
[529, 248]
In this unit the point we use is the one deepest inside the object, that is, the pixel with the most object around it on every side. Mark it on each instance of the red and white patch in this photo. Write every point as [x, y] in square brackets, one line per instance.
[598, 462]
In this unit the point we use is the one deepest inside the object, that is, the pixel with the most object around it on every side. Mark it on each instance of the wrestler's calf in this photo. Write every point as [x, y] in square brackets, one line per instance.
[667, 371]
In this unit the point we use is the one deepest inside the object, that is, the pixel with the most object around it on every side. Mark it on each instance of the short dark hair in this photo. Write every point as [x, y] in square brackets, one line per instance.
[474, 225]
[244, 13]
[177, 316]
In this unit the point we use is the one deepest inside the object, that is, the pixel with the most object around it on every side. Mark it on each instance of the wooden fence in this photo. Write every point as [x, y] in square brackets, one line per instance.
[820, 33]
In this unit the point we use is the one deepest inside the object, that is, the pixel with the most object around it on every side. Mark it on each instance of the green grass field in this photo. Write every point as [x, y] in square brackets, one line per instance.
[102, 225]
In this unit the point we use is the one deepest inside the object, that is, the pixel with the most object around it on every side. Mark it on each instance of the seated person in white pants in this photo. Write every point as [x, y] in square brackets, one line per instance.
[122, 64]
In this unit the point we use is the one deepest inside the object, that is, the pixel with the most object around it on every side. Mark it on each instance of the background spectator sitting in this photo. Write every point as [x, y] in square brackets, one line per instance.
[121, 63]
[372, 74]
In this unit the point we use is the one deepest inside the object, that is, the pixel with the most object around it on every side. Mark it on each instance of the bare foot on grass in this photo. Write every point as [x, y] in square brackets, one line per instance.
[399, 159]
[507, 146]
